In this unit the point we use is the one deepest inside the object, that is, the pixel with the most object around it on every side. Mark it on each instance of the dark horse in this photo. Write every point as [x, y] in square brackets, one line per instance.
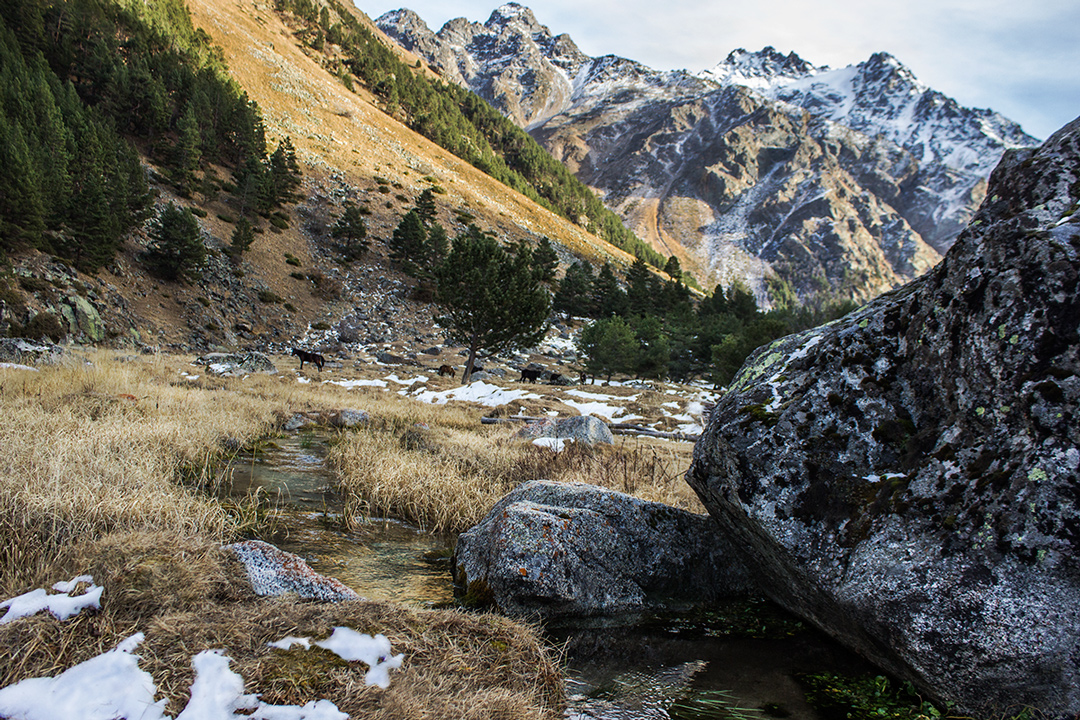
[314, 358]
[445, 370]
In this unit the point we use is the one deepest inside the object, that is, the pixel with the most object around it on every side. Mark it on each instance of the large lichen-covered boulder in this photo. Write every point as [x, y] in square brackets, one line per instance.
[908, 477]
[556, 549]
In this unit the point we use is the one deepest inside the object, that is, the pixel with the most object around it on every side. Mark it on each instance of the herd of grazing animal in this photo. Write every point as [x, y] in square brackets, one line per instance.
[527, 374]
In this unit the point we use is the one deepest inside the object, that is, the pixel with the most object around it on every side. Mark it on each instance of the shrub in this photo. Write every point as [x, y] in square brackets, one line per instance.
[45, 325]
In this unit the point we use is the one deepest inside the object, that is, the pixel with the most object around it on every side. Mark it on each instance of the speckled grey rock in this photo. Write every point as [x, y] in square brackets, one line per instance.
[347, 418]
[556, 549]
[580, 428]
[235, 364]
[33, 352]
[272, 571]
[908, 477]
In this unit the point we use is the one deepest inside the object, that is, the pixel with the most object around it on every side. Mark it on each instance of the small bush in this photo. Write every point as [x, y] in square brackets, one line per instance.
[292, 260]
[290, 307]
[225, 218]
[320, 326]
[268, 296]
[45, 325]
[198, 212]
[279, 222]
[326, 287]
[298, 276]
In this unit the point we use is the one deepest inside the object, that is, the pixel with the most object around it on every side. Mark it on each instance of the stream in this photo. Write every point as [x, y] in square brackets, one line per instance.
[686, 666]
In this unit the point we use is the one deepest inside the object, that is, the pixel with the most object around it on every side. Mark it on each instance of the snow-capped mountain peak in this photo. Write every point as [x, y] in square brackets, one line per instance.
[509, 12]
[760, 70]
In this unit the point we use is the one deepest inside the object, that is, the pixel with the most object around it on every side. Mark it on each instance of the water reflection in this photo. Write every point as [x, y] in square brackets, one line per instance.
[381, 559]
[647, 672]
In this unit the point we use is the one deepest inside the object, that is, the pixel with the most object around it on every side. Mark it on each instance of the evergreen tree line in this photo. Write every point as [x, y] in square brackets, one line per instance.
[643, 325]
[83, 83]
[464, 124]
[652, 328]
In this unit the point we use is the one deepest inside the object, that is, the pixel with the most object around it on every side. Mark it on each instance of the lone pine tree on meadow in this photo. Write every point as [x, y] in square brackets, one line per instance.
[491, 298]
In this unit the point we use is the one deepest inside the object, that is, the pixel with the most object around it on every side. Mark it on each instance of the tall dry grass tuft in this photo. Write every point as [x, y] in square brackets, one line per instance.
[447, 480]
[94, 449]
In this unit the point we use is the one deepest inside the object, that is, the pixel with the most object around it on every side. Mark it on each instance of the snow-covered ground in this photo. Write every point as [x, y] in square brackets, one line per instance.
[112, 685]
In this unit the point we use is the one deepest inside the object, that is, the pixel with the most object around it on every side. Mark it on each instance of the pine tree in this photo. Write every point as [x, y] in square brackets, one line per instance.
[436, 246]
[351, 233]
[176, 250]
[407, 243]
[741, 302]
[574, 293]
[609, 346]
[490, 297]
[545, 260]
[608, 298]
[188, 153]
[242, 238]
[21, 208]
[641, 289]
[654, 348]
[425, 207]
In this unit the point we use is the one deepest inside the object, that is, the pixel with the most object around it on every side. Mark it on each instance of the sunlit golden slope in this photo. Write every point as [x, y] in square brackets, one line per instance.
[340, 132]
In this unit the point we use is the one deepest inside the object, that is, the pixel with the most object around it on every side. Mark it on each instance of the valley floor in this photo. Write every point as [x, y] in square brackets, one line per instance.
[113, 468]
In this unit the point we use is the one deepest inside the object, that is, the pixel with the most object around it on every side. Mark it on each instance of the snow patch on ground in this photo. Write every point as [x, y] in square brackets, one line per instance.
[62, 605]
[478, 392]
[598, 406]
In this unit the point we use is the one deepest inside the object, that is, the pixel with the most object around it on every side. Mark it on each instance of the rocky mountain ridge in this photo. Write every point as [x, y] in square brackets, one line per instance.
[849, 181]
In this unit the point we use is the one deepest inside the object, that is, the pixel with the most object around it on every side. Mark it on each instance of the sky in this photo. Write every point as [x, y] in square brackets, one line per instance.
[1018, 57]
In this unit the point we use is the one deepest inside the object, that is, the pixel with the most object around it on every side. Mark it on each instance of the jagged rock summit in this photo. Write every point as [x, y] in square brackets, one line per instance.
[908, 477]
[849, 181]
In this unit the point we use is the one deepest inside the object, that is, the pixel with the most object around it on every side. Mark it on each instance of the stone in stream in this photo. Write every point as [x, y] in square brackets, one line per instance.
[908, 477]
[556, 549]
[272, 572]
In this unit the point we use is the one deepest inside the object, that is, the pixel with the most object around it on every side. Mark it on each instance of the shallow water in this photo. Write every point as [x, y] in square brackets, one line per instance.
[633, 667]
[382, 559]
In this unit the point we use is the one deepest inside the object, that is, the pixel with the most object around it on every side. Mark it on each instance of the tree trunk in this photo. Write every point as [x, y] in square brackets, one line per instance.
[467, 375]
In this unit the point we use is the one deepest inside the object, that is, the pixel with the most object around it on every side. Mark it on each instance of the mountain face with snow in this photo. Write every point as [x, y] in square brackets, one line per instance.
[848, 181]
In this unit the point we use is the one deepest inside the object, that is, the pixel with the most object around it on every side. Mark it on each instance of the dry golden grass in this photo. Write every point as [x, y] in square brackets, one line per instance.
[445, 479]
[105, 470]
[186, 597]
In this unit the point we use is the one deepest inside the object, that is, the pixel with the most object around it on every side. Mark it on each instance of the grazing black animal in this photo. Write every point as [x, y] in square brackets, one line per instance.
[445, 370]
[532, 376]
[314, 358]
[584, 377]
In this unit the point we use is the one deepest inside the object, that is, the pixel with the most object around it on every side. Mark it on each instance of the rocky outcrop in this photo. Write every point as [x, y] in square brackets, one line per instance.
[908, 477]
[33, 352]
[554, 549]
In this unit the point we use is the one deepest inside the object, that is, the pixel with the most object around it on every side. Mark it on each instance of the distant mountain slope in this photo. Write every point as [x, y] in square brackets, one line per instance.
[849, 181]
[955, 147]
